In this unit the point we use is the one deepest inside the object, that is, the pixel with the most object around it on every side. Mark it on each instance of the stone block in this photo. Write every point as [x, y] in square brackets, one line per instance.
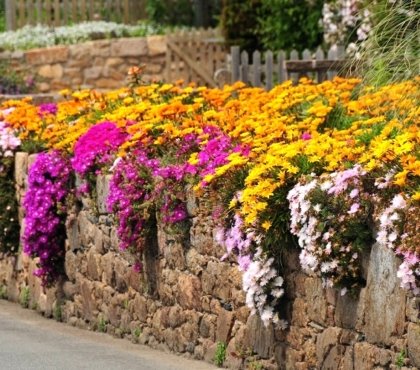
[364, 356]
[100, 48]
[413, 343]
[317, 303]
[129, 47]
[207, 327]
[189, 292]
[328, 349]
[156, 45]
[21, 168]
[102, 189]
[140, 308]
[346, 311]
[81, 52]
[88, 301]
[113, 62]
[49, 71]
[108, 274]
[384, 300]
[92, 73]
[259, 337]
[224, 325]
[51, 55]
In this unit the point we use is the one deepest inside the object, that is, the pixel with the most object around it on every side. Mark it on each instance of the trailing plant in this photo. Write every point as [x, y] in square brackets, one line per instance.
[325, 145]
[44, 203]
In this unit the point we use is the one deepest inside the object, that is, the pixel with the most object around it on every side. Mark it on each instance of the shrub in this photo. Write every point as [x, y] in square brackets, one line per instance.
[239, 22]
[290, 24]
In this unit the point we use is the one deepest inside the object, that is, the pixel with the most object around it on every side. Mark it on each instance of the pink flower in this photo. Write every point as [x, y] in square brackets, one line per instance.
[354, 208]
[306, 136]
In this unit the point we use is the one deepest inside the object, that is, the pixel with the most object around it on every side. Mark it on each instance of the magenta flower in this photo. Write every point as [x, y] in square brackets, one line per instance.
[306, 136]
[48, 186]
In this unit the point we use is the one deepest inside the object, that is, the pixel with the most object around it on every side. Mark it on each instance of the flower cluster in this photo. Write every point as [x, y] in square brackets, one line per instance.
[42, 36]
[261, 281]
[316, 148]
[48, 187]
[329, 216]
[8, 141]
[96, 146]
[346, 22]
[391, 233]
[129, 198]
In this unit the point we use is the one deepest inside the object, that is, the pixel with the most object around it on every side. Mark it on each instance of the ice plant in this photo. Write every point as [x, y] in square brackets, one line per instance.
[329, 215]
[48, 186]
[261, 281]
[96, 147]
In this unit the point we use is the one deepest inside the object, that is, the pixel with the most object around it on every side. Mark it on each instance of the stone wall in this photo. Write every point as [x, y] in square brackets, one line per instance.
[188, 300]
[101, 64]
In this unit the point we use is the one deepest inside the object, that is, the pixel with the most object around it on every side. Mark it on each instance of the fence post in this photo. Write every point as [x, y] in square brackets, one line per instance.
[244, 70]
[256, 68]
[235, 52]
[10, 15]
[269, 70]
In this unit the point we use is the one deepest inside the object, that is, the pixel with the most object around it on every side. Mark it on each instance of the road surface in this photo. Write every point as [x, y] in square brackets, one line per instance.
[29, 341]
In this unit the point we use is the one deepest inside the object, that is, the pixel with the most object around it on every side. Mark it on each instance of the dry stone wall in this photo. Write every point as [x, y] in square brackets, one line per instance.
[187, 300]
[100, 64]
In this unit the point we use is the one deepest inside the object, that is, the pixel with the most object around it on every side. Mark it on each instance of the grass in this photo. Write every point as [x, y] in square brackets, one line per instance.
[25, 297]
[102, 325]
[220, 354]
[391, 52]
[3, 292]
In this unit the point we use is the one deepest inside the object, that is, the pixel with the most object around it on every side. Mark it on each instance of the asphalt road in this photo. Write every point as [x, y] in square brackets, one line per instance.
[29, 341]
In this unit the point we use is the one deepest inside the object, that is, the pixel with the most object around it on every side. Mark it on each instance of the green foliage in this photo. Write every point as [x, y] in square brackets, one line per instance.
[272, 24]
[3, 292]
[220, 354]
[200, 13]
[400, 359]
[290, 24]
[239, 22]
[137, 332]
[57, 312]
[102, 325]
[9, 224]
[170, 12]
[25, 297]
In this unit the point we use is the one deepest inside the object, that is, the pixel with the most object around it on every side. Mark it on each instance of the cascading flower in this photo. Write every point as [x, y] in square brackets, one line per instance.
[44, 234]
[261, 281]
[329, 215]
[392, 221]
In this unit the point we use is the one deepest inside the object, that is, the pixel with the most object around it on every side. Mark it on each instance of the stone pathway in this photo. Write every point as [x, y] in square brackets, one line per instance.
[29, 341]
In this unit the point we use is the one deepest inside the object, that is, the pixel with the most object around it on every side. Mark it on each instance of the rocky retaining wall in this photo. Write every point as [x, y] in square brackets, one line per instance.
[188, 300]
[101, 64]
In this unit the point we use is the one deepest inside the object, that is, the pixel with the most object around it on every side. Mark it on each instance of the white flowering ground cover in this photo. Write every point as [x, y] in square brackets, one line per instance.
[39, 36]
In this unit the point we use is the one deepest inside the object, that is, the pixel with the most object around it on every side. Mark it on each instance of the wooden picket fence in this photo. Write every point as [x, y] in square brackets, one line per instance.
[195, 56]
[269, 69]
[63, 12]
